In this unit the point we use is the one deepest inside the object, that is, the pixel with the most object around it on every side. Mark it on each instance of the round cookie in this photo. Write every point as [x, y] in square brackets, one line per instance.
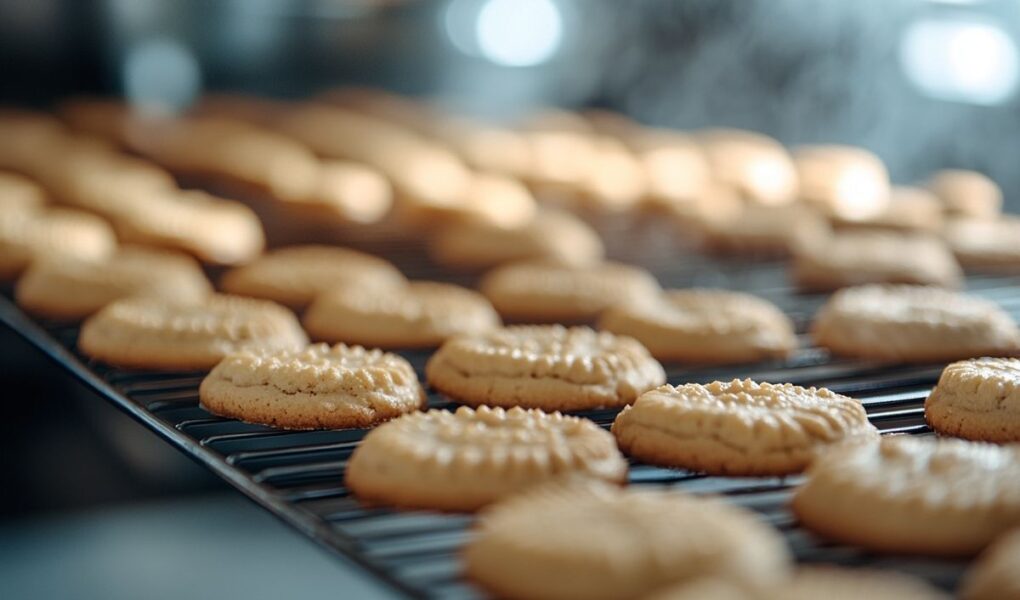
[294, 276]
[597, 541]
[551, 235]
[548, 292]
[705, 326]
[738, 428]
[977, 399]
[548, 367]
[150, 333]
[318, 387]
[857, 257]
[913, 495]
[986, 244]
[74, 289]
[995, 575]
[421, 314]
[966, 193]
[913, 324]
[470, 458]
[55, 233]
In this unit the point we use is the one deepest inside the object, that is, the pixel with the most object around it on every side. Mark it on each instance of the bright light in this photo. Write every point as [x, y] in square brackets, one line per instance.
[965, 61]
[161, 73]
[519, 33]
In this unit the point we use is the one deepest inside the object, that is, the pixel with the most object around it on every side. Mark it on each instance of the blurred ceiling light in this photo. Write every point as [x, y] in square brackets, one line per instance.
[960, 60]
[161, 73]
[519, 33]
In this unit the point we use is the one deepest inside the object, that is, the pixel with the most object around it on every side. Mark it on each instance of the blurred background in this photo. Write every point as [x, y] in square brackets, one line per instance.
[924, 84]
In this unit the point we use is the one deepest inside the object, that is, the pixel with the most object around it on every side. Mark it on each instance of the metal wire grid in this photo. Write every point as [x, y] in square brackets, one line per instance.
[298, 476]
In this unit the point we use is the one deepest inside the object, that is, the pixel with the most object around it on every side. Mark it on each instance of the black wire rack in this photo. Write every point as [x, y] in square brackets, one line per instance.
[298, 476]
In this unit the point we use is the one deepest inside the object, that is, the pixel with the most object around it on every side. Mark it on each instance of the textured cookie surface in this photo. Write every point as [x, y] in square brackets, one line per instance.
[739, 427]
[419, 314]
[318, 387]
[470, 458]
[547, 367]
[996, 574]
[547, 292]
[913, 324]
[711, 326]
[858, 257]
[977, 399]
[913, 495]
[74, 289]
[597, 542]
[149, 333]
[294, 276]
[57, 233]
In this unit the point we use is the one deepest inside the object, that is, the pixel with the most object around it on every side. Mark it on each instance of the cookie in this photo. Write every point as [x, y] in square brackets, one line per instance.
[19, 193]
[492, 199]
[977, 399]
[910, 209]
[348, 191]
[615, 178]
[71, 289]
[543, 366]
[845, 182]
[598, 541]
[150, 333]
[467, 459]
[996, 573]
[848, 258]
[755, 165]
[728, 228]
[52, 233]
[705, 326]
[421, 314]
[811, 583]
[912, 495]
[485, 147]
[738, 428]
[295, 275]
[676, 170]
[212, 229]
[551, 235]
[966, 193]
[549, 292]
[985, 244]
[317, 387]
[904, 323]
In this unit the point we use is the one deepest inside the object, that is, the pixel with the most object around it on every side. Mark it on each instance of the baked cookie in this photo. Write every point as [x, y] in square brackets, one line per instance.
[705, 326]
[54, 233]
[754, 164]
[738, 428]
[615, 179]
[150, 333]
[294, 276]
[913, 324]
[551, 235]
[548, 292]
[466, 459]
[212, 229]
[996, 573]
[421, 314]
[910, 209]
[811, 583]
[966, 193]
[543, 366]
[676, 169]
[913, 495]
[496, 200]
[74, 289]
[854, 257]
[986, 244]
[19, 193]
[844, 182]
[347, 191]
[598, 541]
[317, 387]
[753, 229]
[977, 399]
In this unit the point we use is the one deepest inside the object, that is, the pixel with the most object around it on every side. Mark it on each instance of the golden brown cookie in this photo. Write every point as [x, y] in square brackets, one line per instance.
[316, 387]
[966, 193]
[19, 193]
[913, 324]
[995, 575]
[738, 428]
[910, 209]
[754, 164]
[705, 326]
[52, 234]
[915, 495]
[844, 182]
[753, 229]
[150, 333]
[421, 314]
[597, 541]
[470, 458]
[347, 191]
[977, 399]
[548, 367]
[985, 244]
[548, 292]
[295, 275]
